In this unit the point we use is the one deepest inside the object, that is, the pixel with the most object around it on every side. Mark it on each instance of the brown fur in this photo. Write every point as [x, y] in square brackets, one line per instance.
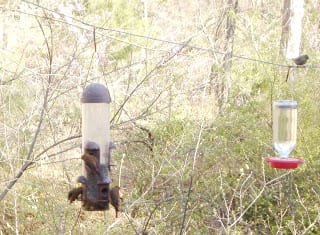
[114, 198]
[74, 194]
[91, 163]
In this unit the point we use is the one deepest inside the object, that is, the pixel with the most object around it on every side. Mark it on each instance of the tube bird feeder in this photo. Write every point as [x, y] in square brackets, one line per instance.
[96, 147]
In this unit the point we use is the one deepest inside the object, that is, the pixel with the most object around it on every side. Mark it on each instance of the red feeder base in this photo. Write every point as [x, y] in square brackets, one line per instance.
[284, 163]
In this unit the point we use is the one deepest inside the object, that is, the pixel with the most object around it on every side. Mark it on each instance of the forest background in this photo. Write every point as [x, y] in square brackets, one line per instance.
[191, 82]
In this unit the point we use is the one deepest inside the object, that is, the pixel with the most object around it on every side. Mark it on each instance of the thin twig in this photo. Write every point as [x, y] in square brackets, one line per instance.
[193, 166]
[147, 76]
[27, 162]
[120, 170]
[149, 218]
[76, 221]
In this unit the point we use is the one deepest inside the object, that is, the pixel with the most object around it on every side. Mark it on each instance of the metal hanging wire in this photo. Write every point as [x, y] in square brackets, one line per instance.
[87, 26]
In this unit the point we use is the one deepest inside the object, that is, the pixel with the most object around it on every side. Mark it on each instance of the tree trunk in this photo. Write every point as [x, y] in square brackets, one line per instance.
[232, 9]
[3, 30]
[285, 25]
[294, 40]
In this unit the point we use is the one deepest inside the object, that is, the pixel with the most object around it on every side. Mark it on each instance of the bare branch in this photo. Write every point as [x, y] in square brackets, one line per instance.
[148, 75]
[27, 162]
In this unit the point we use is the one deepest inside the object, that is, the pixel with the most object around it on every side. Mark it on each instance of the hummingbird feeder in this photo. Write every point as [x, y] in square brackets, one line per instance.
[284, 130]
[96, 146]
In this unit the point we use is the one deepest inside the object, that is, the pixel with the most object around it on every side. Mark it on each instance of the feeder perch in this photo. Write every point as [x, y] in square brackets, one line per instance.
[284, 163]
[284, 134]
[95, 147]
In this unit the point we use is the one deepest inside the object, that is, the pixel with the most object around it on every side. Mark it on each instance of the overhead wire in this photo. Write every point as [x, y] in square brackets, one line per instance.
[93, 27]
[90, 29]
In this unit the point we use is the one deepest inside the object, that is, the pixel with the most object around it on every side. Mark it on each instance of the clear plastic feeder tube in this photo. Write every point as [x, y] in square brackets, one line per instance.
[96, 118]
[284, 126]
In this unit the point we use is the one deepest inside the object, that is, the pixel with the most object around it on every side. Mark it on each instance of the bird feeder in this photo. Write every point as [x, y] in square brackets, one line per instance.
[284, 129]
[96, 147]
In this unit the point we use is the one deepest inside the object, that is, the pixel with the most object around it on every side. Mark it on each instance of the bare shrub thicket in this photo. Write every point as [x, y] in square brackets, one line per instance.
[191, 96]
